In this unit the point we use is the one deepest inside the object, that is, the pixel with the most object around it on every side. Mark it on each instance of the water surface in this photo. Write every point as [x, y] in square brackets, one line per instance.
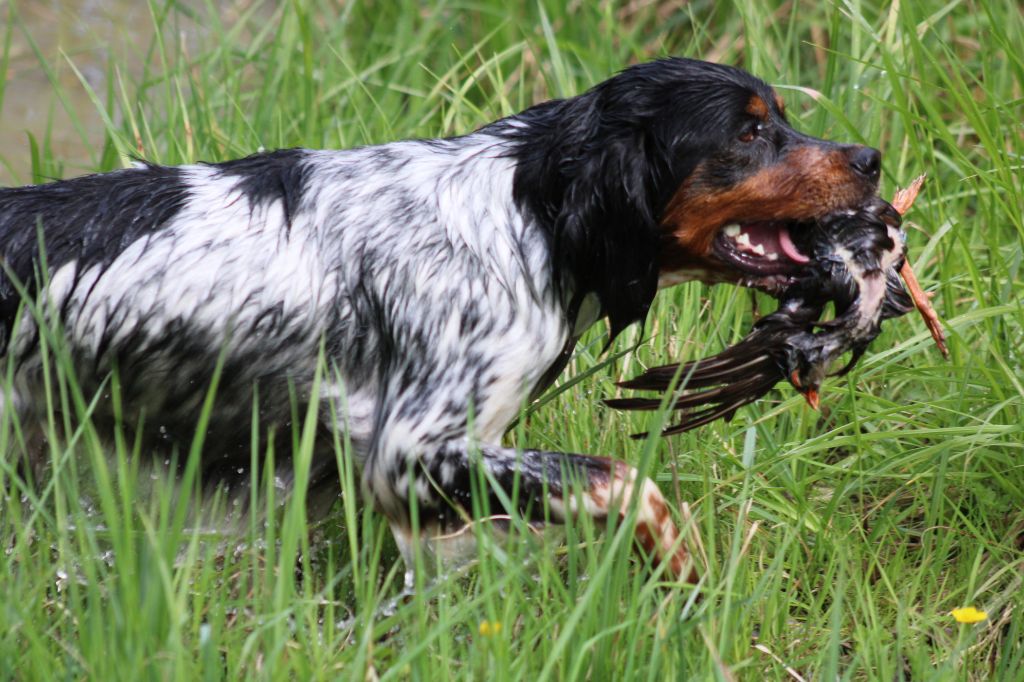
[91, 34]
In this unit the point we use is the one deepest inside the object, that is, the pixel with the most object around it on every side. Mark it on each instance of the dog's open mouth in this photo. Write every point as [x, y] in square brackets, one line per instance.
[851, 259]
[761, 248]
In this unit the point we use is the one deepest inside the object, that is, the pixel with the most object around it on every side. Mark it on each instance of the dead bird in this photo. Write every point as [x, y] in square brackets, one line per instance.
[856, 259]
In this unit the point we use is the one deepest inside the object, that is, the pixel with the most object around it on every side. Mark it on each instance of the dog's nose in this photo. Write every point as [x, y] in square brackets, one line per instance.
[866, 161]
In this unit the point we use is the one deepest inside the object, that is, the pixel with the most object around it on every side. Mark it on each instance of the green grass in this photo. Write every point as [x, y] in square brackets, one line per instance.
[832, 545]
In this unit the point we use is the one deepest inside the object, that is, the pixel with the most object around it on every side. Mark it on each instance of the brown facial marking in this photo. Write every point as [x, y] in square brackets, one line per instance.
[808, 182]
[757, 107]
[779, 103]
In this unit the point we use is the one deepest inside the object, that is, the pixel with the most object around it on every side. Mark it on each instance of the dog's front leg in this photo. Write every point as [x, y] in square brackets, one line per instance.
[542, 486]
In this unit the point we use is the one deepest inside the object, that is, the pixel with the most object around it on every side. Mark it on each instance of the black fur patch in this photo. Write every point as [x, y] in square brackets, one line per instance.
[91, 220]
[268, 177]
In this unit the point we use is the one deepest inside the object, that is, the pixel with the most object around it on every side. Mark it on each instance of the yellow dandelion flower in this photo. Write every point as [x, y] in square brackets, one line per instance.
[488, 627]
[968, 614]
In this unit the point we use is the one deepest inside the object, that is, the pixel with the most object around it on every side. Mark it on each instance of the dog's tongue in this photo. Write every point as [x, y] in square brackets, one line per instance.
[789, 248]
[774, 238]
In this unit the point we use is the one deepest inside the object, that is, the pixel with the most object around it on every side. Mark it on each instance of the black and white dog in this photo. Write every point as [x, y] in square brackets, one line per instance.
[444, 280]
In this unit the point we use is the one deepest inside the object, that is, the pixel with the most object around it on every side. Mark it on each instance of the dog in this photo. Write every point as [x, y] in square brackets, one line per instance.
[443, 282]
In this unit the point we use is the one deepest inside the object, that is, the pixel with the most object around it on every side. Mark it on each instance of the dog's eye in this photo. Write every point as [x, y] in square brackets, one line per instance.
[752, 132]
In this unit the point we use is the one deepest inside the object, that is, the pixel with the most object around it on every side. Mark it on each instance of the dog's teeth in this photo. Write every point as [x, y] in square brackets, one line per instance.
[732, 230]
[758, 249]
[743, 240]
[773, 256]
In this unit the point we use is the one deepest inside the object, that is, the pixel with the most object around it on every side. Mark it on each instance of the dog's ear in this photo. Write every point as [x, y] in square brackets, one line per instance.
[591, 178]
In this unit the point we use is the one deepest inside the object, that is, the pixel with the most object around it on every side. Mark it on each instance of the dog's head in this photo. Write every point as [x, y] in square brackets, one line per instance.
[745, 179]
[680, 169]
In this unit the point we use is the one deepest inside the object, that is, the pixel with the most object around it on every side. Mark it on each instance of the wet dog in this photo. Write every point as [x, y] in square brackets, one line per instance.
[442, 282]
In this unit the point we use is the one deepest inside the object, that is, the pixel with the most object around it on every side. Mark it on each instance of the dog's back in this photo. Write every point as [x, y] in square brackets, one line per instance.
[393, 258]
